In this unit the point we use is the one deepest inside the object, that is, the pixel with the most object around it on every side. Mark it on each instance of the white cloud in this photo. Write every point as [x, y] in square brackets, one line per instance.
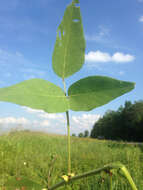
[141, 19]
[24, 123]
[97, 56]
[51, 124]
[13, 120]
[56, 123]
[84, 122]
[118, 57]
[30, 110]
[121, 57]
[45, 123]
[42, 114]
[51, 116]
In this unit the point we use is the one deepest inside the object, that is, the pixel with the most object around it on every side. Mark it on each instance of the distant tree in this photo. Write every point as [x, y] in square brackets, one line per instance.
[86, 133]
[126, 123]
[80, 135]
[73, 135]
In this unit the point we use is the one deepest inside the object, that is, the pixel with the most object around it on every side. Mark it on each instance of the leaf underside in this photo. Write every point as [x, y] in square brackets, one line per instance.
[91, 92]
[69, 50]
[36, 94]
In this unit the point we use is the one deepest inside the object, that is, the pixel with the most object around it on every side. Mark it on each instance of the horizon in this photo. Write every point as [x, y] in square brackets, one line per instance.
[113, 48]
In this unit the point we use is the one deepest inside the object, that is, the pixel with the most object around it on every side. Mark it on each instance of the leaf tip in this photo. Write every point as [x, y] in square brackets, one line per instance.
[76, 1]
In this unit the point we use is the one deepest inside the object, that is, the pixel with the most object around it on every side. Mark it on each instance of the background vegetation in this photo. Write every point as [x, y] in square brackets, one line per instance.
[41, 158]
[124, 124]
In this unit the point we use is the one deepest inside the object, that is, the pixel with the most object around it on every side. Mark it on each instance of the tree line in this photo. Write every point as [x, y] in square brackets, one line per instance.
[84, 134]
[124, 124]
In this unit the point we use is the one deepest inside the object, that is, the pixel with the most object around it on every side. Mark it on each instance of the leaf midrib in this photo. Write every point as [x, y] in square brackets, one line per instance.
[87, 93]
[66, 50]
[43, 95]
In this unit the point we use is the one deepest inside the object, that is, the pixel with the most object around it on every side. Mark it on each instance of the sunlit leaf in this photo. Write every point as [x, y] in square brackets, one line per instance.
[91, 92]
[69, 50]
[36, 94]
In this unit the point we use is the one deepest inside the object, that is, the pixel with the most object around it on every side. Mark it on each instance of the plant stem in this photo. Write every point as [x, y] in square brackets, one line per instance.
[108, 167]
[110, 182]
[68, 133]
[69, 146]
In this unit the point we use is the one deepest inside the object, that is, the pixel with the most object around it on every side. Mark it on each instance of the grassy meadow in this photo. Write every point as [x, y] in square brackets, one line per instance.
[43, 158]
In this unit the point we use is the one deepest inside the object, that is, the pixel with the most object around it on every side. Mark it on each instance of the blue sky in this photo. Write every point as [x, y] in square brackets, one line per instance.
[113, 32]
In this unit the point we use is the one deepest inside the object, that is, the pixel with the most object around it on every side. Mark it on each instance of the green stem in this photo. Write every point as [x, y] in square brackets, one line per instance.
[69, 146]
[108, 167]
[68, 134]
[110, 182]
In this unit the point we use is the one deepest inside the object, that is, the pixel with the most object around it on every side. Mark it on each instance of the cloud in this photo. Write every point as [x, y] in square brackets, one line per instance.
[56, 123]
[57, 119]
[24, 123]
[101, 36]
[121, 72]
[141, 19]
[97, 56]
[8, 58]
[15, 64]
[42, 114]
[13, 120]
[30, 110]
[51, 116]
[118, 57]
[45, 123]
[121, 57]
[84, 122]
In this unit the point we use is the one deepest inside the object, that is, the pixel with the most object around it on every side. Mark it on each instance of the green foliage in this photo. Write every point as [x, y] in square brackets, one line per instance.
[22, 183]
[86, 133]
[35, 149]
[37, 94]
[80, 135]
[85, 94]
[69, 51]
[95, 91]
[124, 124]
[68, 58]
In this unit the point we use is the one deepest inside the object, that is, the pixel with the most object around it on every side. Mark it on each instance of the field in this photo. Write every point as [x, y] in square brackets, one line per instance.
[42, 158]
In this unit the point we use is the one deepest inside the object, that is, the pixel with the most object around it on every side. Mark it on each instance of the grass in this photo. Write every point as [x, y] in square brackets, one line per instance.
[43, 158]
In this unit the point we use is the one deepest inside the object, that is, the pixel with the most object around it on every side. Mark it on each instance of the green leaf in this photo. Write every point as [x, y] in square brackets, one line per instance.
[69, 50]
[21, 183]
[36, 94]
[91, 92]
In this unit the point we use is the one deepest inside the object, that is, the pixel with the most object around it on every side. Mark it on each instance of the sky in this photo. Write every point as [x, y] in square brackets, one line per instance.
[114, 35]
